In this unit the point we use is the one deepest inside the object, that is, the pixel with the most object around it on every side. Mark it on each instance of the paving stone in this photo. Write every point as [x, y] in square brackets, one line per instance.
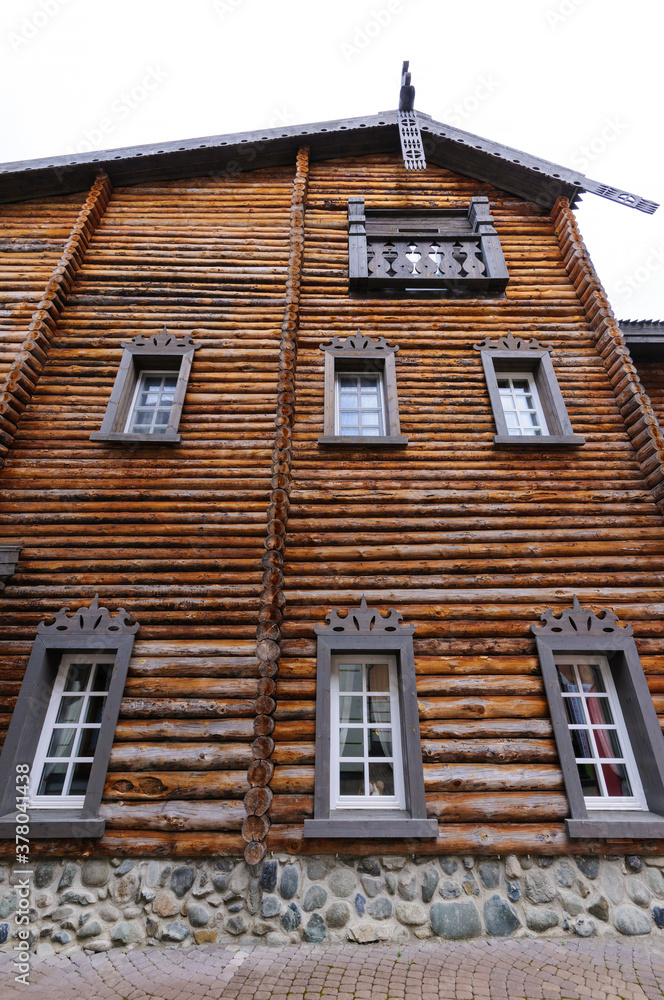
[314, 898]
[631, 921]
[500, 917]
[455, 921]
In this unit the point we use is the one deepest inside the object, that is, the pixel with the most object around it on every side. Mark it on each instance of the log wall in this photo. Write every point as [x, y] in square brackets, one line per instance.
[651, 374]
[470, 542]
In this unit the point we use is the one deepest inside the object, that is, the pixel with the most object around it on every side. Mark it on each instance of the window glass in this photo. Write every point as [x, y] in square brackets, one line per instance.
[521, 405]
[360, 410]
[153, 401]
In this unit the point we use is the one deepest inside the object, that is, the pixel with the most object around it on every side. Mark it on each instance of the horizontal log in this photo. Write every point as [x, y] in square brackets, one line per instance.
[497, 807]
[498, 751]
[291, 808]
[190, 687]
[185, 816]
[189, 729]
[184, 756]
[489, 708]
[165, 708]
[485, 728]
[175, 785]
[491, 777]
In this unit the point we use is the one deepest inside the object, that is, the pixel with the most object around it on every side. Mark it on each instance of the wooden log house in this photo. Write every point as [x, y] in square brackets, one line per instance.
[329, 442]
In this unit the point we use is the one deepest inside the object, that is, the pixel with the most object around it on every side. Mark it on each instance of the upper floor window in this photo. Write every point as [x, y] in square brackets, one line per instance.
[149, 390]
[453, 251]
[527, 404]
[360, 402]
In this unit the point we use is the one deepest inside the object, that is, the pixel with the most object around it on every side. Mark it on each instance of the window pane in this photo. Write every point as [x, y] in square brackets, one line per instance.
[347, 382]
[581, 743]
[88, 742]
[351, 742]
[524, 402]
[142, 417]
[574, 710]
[350, 677]
[349, 417]
[369, 381]
[378, 677]
[162, 416]
[380, 742]
[511, 419]
[351, 779]
[70, 709]
[52, 779]
[369, 419]
[350, 710]
[381, 779]
[599, 711]
[617, 782]
[102, 677]
[566, 676]
[591, 677]
[379, 710]
[348, 400]
[370, 432]
[521, 383]
[503, 385]
[608, 744]
[77, 677]
[171, 381]
[79, 780]
[95, 709]
[589, 783]
[61, 743]
[350, 431]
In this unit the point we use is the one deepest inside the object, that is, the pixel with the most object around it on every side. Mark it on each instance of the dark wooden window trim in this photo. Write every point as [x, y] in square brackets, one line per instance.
[360, 353]
[515, 354]
[8, 561]
[467, 232]
[383, 636]
[580, 631]
[92, 629]
[164, 352]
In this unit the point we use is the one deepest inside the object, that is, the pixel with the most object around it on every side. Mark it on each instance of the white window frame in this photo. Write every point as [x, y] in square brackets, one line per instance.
[524, 376]
[637, 801]
[41, 754]
[382, 409]
[337, 801]
[146, 372]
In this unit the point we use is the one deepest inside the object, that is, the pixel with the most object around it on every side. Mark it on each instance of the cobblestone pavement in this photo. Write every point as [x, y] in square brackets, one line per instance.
[478, 970]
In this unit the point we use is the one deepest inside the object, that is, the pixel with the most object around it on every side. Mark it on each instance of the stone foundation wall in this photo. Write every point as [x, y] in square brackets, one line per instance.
[99, 904]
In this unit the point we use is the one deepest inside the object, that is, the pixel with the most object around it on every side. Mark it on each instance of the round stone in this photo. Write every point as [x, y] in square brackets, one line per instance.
[4, 932]
[44, 875]
[359, 904]
[68, 875]
[341, 883]
[588, 866]
[289, 882]
[584, 927]
[538, 886]
[337, 915]
[95, 873]
[571, 903]
[633, 863]
[198, 916]
[176, 931]
[430, 880]
[372, 885]
[314, 898]
[90, 929]
[500, 917]
[125, 867]
[369, 866]
[8, 903]
[380, 908]
[455, 921]
[637, 892]
[268, 879]
[407, 887]
[164, 905]
[628, 920]
[653, 877]
[236, 926]
[541, 918]
[490, 874]
[657, 915]
[315, 931]
[271, 906]
[565, 875]
[291, 918]
[61, 937]
[411, 914]
[514, 891]
[126, 933]
[449, 865]
[600, 908]
[450, 889]
[318, 868]
[182, 880]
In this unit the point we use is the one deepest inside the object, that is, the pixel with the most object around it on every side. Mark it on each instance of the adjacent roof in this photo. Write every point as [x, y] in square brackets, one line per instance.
[643, 335]
[510, 169]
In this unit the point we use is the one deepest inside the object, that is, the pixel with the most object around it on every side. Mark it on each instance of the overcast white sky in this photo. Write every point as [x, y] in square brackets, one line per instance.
[576, 81]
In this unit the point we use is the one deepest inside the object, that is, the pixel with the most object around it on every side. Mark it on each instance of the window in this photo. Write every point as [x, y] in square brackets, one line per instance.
[64, 722]
[444, 251]
[8, 561]
[361, 406]
[368, 777]
[608, 737]
[148, 394]
[527, 405]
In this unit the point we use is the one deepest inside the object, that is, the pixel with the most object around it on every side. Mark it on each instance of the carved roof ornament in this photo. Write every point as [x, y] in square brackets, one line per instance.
[92, 620]
[160, 343]
[577, 621]
[359, 342]
[510, 343]
[364, 621]
[412, 147]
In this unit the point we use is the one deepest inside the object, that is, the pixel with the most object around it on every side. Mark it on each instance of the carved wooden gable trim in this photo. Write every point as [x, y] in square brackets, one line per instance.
[364, 621]
[577, 621]
[161, 343]
[359, 345]
[91, 620]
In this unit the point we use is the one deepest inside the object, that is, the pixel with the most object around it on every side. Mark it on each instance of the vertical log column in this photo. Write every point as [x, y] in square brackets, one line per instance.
[258, 798]
[634, 405]
[24, 373]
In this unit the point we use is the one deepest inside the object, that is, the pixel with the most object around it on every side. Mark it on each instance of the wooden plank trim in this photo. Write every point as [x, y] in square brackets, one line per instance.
[268, 633]
[634, 404]
[22, 377]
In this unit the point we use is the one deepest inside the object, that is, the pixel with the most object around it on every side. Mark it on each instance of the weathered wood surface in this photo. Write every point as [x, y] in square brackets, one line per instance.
[652, 378]
[470, 542]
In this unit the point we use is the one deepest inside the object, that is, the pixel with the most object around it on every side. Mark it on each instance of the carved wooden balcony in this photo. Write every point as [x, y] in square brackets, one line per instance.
[448, 250]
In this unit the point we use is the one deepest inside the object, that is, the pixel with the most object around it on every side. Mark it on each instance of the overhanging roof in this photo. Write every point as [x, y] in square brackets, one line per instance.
[519, 173]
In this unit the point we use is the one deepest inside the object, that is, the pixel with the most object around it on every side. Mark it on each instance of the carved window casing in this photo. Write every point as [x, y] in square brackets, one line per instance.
[607, 733]
[455, 251]
[149, 390]
[366, 703]
[543, 416]
[64, 721]
[360, 403]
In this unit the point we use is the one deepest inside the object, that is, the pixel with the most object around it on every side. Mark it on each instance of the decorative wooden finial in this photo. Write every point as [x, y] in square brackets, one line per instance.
[407, 93]
[409, 127]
